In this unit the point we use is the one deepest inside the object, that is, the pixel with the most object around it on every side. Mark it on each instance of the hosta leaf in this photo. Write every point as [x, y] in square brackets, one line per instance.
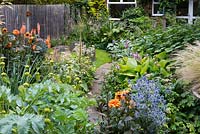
[145, 68]
[163, 63]
[161, 55]
[164, 72]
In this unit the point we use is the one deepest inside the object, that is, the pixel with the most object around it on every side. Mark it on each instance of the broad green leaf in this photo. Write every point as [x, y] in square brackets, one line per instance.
[164, 72]
[163, 63]
[161, 55]
[145, 68]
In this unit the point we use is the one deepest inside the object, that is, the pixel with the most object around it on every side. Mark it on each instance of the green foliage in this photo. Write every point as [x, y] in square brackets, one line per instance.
[169, 40]
[63, 109]
[183, 109]
[21, 59]
[28, 123]
[136, 18]
[75, 71]
[135, 68]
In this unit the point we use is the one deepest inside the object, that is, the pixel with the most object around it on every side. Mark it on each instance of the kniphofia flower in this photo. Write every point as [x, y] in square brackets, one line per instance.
[38, 28]
[48, 41]
[23, 29]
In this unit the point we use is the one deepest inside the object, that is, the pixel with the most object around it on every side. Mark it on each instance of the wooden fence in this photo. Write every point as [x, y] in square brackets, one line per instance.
[54, 20]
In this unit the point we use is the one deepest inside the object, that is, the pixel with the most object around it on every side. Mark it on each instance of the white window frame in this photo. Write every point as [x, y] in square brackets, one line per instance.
[153, 8]
[119, 3]
[190, 17]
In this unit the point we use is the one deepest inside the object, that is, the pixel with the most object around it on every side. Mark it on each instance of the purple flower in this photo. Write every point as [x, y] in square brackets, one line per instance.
[136, 56]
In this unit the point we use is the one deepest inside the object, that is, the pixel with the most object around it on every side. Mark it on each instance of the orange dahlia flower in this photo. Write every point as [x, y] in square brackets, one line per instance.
[114, 103]
[16, 32]
[121, 94]
[4, 30]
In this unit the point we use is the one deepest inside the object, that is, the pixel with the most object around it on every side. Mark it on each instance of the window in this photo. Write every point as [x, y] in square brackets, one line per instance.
[156, 10]
[189, 10]
[116, 7]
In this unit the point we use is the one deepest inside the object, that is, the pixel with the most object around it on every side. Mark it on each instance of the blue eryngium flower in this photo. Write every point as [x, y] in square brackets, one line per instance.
[150, 105]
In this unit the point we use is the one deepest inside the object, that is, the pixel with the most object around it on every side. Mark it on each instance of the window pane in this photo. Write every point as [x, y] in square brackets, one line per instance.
[196, 8]
[117, 10]
[182, 9]
[114, 0]
[157, 9]
[128, 0]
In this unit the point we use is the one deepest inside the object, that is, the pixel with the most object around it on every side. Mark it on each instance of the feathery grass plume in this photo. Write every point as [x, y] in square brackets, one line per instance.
[188, 63]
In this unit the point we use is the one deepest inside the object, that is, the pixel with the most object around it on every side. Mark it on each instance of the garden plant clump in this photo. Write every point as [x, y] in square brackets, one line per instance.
[152, 87]
[38, 94]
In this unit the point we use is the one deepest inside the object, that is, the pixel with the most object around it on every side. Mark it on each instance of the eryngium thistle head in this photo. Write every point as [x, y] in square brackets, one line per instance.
[150, 104]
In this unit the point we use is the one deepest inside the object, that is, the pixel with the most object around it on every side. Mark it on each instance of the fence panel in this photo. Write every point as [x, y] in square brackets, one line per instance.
[54, 20]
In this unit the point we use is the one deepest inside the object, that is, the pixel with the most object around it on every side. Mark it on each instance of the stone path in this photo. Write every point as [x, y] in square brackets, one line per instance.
[94, 115]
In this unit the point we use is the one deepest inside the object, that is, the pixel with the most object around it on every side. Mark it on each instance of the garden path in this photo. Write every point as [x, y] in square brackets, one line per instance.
[94, 115]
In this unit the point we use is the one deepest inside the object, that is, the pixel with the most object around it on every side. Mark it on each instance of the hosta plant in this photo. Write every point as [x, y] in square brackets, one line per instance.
[136, 66]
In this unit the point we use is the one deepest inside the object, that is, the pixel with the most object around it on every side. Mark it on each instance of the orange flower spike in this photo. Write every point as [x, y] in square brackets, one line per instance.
[38, 28]
[48, 41]
[114, 103]
[16, 32]
[34, 31]
[4, 30]
[23, 29]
